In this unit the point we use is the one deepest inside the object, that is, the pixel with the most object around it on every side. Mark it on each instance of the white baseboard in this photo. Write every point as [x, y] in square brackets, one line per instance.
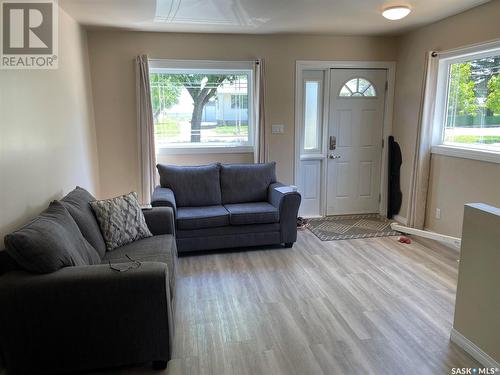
[454, 241]
[472, 349]
[400, 219]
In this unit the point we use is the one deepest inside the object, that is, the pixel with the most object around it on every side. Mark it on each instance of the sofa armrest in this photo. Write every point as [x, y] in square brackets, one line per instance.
[163, 197]
[160, 220]
[278, 193]
[79, 318]
[287, 201]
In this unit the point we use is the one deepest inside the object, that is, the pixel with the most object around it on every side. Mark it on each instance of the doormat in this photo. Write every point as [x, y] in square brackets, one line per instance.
[348, 227]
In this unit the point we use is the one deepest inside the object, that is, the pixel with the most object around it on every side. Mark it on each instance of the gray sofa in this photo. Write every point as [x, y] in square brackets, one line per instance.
[228, 205]
[90, 317]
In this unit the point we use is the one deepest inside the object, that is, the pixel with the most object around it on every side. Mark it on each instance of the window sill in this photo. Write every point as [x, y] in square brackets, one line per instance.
[467, 153]
[185, 150]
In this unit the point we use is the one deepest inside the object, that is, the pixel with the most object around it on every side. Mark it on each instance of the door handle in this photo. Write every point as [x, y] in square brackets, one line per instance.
[331, 156]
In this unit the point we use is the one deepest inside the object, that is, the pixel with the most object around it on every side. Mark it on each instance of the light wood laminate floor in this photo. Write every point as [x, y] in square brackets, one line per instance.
[367, 306]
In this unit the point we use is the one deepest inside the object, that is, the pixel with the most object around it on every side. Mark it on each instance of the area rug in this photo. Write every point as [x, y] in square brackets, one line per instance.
[348, 227]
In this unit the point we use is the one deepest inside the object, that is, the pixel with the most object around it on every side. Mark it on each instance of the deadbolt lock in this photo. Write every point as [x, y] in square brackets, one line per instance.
[333, 142]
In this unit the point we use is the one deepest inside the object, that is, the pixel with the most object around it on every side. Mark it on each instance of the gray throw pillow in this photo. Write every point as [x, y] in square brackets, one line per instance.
[121, 220]
[49, 242]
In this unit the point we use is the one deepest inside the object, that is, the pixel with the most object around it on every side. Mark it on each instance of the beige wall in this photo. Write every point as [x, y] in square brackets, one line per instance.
[47, 134]
[453, 181]
[113, 82]
[195, 159]
[477, 308]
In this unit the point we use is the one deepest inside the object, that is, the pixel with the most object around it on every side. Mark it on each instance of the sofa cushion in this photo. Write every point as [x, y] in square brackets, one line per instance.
[192, 186]
[201, 217]
[121, 220]
[241, 183]
[77, 202]
[49, 242]
[252, 213]
[160, 248]
[151, 249]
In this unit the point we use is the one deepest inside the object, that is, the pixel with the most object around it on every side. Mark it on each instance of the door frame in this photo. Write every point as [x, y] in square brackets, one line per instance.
[325, 66]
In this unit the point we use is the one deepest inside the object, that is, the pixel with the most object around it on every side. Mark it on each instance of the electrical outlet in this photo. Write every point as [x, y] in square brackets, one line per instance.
[438, 213]
[277, 129]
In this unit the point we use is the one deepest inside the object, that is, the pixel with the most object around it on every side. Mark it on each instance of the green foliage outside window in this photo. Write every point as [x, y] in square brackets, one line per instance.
[474, 88]
[493, 101]
[462, 98]
[165, 92]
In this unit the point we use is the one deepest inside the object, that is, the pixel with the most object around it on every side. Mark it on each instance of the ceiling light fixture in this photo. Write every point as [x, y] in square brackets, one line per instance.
[396, 13]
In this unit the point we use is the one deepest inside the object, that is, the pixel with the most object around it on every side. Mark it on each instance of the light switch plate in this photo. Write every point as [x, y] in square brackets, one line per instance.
[278, 128]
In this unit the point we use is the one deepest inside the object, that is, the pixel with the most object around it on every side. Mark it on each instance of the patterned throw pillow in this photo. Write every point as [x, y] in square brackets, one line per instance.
[121, 220]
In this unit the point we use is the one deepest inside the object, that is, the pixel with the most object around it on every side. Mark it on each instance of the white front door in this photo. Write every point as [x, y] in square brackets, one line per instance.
[355, 131]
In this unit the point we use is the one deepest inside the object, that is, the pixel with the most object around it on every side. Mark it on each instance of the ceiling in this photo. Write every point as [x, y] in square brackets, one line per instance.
[352, 17]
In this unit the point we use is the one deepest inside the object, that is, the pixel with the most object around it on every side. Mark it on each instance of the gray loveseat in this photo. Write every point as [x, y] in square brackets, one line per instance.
[228, 205]
[91, 316]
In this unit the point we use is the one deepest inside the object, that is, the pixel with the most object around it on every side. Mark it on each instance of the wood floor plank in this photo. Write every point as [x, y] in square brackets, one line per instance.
[365, 306]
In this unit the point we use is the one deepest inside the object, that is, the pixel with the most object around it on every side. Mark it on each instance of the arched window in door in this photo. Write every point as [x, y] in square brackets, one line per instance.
[358, 87]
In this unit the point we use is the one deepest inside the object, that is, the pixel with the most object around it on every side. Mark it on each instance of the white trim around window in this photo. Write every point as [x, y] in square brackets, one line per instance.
[459, 150]
[466, 153]
[197, 65]
[210, 66]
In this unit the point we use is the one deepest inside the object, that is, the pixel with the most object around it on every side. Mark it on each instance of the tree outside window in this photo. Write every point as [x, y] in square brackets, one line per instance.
[473, 105]
[200, 108]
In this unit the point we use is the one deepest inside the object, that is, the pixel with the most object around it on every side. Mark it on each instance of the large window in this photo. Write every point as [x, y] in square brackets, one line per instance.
[201, 105]
[467, 114]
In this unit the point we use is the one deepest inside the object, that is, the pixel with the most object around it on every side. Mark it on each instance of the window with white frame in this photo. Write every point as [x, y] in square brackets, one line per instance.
[200, 105]
[358, 88]
[467, 112]
[312, 111]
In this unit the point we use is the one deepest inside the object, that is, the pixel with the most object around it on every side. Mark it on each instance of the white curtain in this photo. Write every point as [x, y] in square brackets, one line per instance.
[147, 153]
[422, 161]
[260, 151]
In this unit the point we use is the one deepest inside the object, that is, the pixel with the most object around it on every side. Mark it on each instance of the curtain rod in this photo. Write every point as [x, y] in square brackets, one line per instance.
[490, 44]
